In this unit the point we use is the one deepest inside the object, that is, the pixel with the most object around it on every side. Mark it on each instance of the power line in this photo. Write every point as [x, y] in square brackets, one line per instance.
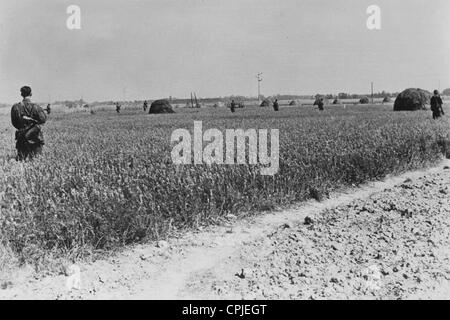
[371, 84]
[258, 77]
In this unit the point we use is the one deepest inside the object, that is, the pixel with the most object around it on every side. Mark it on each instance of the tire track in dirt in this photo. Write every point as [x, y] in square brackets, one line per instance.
[247, 258]
[394, 244]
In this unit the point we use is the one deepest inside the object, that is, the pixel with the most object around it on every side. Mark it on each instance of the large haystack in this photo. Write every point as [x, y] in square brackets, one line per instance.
[293, 103]
[265, 103]
[364, 100]
[412, 99]
[161, 106]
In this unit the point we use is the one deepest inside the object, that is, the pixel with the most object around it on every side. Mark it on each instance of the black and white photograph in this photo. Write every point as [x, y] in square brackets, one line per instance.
[224, 150]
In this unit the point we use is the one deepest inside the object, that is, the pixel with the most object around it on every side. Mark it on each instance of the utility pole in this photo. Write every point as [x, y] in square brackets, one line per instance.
[372, 91]
[258, 76]
[196, 101]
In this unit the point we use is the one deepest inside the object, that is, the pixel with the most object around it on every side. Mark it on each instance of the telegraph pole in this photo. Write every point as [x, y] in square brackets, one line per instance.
[372, 90]
[258, 77]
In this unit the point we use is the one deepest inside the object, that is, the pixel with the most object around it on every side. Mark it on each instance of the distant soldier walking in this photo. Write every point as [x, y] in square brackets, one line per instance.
[27, 118]
[118, 106]
[436, 105]
[48, 109]
[145, 105]
[320, 104]
[276, 106]
[233, 106]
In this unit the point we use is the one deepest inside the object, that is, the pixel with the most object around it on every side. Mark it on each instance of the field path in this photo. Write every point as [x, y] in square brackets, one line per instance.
[384, 240]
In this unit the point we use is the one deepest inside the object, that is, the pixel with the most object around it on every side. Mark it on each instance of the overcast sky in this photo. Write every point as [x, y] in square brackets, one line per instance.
[162, 48]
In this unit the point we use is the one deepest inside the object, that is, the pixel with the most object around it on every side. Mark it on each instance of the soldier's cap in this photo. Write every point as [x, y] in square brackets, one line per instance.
[436, 92]
[25, 91]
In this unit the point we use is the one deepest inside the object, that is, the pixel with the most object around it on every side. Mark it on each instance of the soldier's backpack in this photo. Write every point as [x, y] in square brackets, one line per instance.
[29, 133]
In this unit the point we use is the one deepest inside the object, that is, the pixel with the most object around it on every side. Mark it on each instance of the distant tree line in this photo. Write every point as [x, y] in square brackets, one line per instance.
[240, 98]
[382, 94]
[71, 104]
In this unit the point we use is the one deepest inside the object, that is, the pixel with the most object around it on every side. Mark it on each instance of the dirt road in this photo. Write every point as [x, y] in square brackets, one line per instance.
[385, 240]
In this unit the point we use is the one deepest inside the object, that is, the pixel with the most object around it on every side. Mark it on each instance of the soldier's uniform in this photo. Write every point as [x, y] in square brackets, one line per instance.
[276, 106]
[321, 104]
[145, 106]
[436, 106]
[118, 107]
[233, 106]
[29, 137]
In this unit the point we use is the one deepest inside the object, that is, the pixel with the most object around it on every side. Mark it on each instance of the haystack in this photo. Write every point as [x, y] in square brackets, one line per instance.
[364, 100]
[265, 103]
[336, 101]
[293, 103]
[412, 99]
[161, 106]
[386, 100]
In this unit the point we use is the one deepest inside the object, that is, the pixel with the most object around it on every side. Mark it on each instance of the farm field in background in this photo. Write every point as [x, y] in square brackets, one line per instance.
[107, 180]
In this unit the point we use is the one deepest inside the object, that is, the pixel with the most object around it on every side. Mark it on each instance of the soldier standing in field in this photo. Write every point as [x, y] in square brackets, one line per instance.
[118, 107]
[436, 105]
[145, 105]
[27, 117]
[276, 106]
[320, 104]
[48, 109]
[233, 106]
